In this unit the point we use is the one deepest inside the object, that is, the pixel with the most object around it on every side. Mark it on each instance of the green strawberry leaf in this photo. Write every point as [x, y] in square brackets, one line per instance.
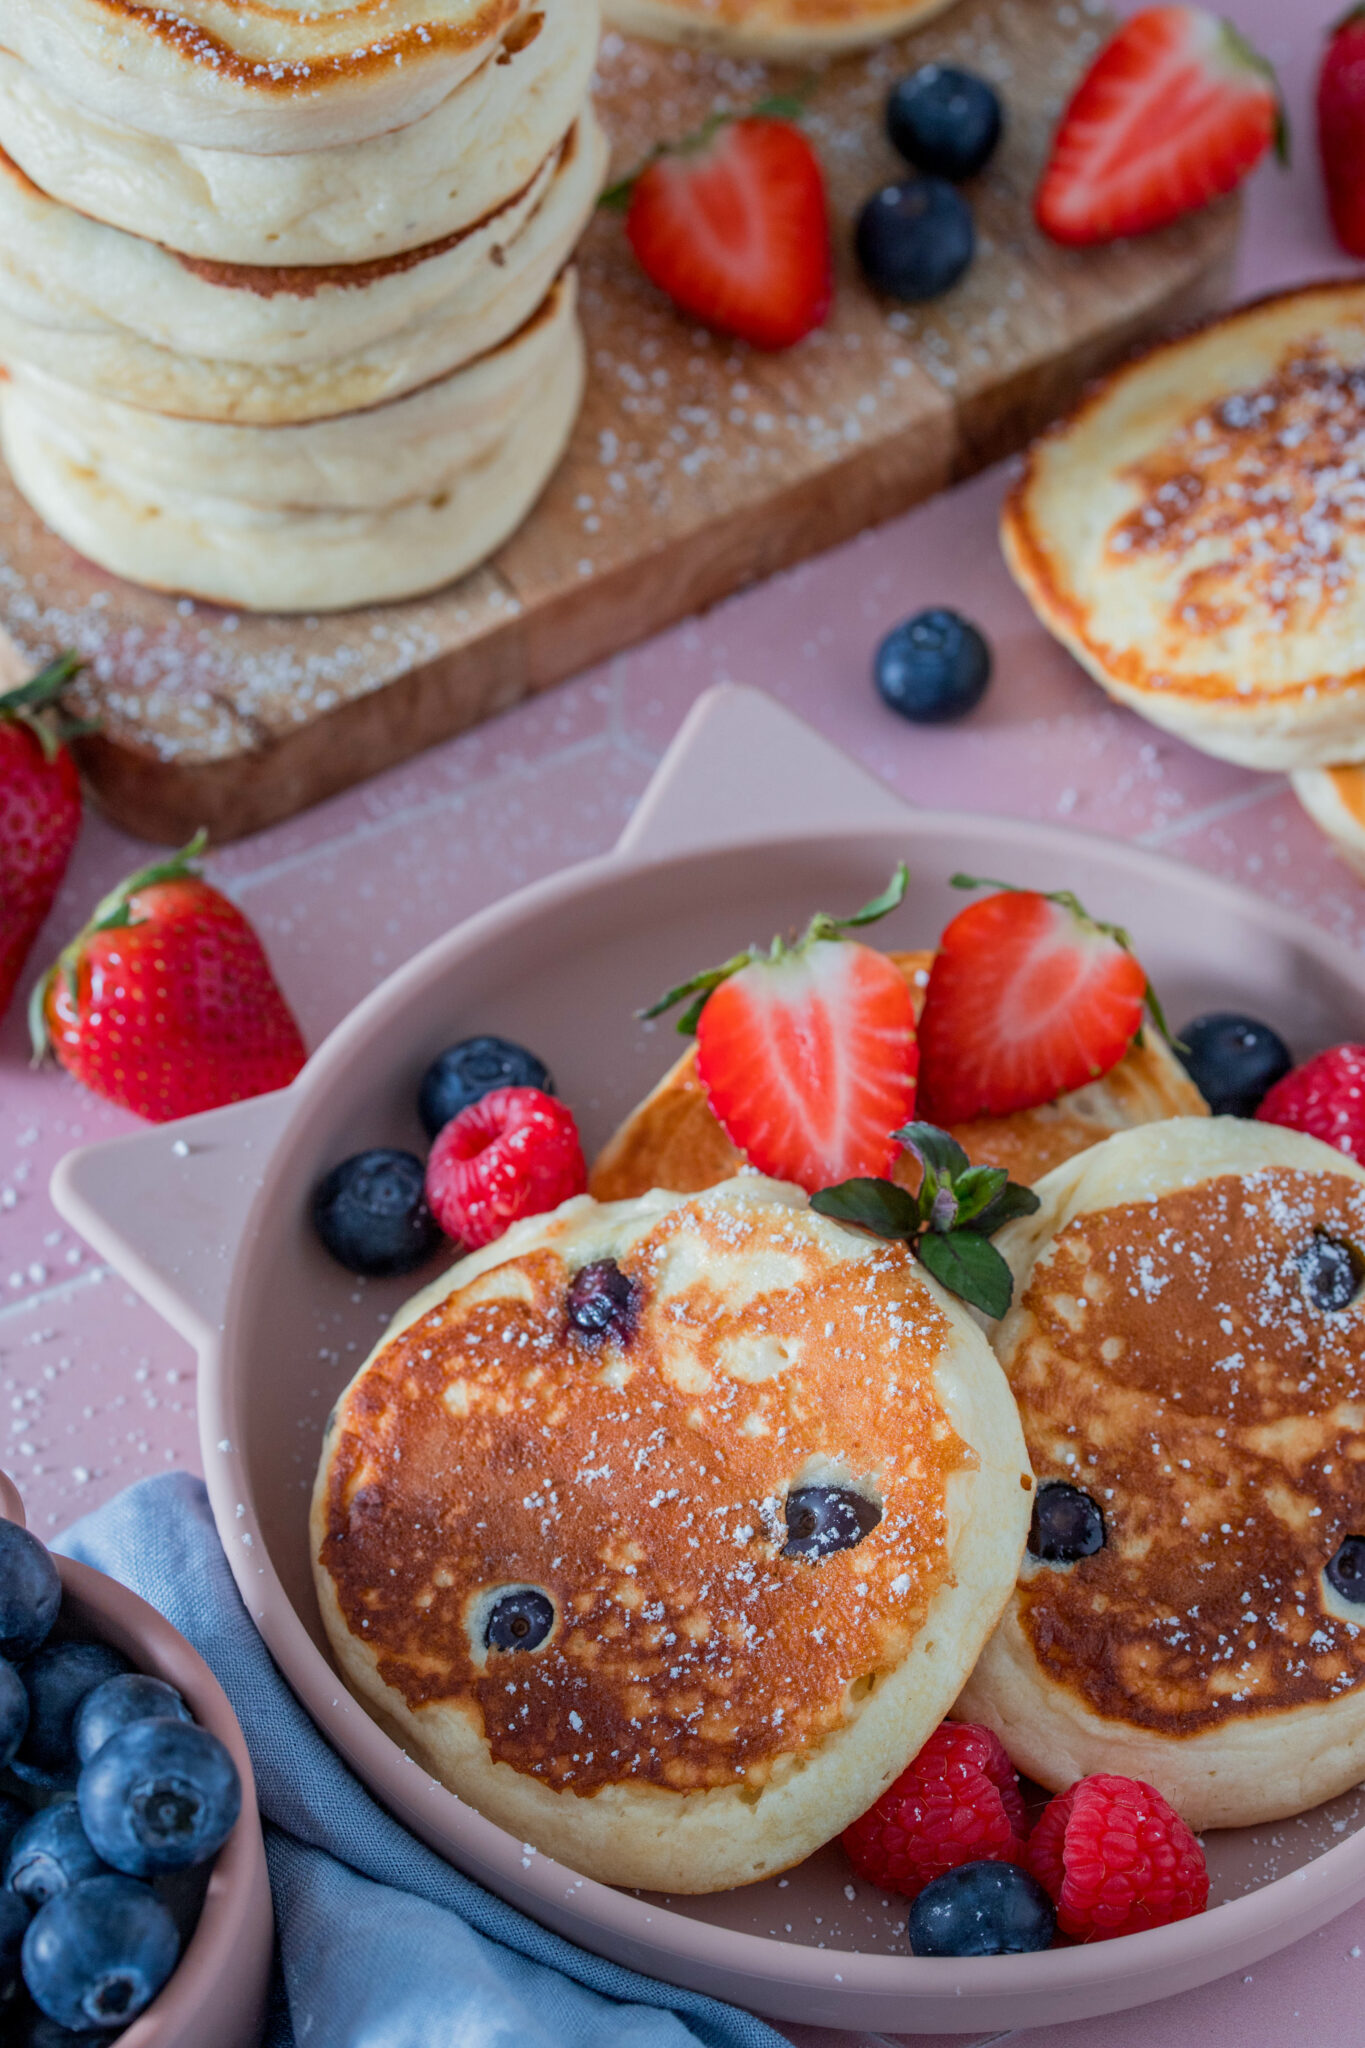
[891, 898]
[700, 984]
[881, 1206]
[968, 1267]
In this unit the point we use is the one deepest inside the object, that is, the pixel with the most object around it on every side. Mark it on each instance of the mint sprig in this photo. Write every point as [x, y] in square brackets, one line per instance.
[821, 926]
[948, 1223]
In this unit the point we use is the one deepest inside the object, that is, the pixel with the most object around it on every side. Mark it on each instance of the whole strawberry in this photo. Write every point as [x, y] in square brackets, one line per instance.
[165, 1003]
[1341, 129]
[40, 814]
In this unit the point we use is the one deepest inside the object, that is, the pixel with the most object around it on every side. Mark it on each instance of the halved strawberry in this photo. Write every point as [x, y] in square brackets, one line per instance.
[734, 226]
[807, 1052]
[1028, 998]
[1175, 111]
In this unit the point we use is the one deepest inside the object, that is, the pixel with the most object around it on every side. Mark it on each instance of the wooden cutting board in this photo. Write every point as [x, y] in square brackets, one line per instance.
[697, 466]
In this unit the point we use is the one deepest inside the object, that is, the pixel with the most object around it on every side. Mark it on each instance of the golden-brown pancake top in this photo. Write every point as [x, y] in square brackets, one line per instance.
[641, 1485]
[1175, 1370]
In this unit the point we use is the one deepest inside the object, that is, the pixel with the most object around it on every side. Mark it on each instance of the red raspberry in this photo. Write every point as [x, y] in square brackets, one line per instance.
[1326, 1098]
[513, 1153]
[959, 1802]
[1115, 1857]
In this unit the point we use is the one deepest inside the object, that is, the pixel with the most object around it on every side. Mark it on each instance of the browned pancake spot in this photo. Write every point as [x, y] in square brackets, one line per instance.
[641, 1487]
[1176, 1372]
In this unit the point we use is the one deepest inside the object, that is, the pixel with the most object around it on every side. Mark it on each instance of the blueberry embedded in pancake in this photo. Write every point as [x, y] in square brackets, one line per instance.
[1187, 1350]
[754, 1512]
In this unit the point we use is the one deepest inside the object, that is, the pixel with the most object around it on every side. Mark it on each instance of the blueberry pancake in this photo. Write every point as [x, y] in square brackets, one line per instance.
[672, 1140]
[664, 1532]
[1187, 1348]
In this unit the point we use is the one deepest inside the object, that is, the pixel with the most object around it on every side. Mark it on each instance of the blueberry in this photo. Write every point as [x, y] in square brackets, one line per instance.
[1066, 1524]
[982, 1909]
[915, 239]
[51, 1854]
[45, 2033]
[1346, 1571]
[97, 1955]
[1233, 1061]
[1330, 1271]
[159, 1795]
[30, 1592]
[825, 1518]
[119, 1701]
[371, 1213]
[13, 1712]
[944, 121]
[466, 1072]
[933, 668]
[13, 1816]
[520, 1620]
[602, 1300]
[57, 1679]
[13, 1923]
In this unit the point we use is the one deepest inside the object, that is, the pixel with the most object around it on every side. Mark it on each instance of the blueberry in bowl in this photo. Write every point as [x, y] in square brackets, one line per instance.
[473, 1068]
[86, 1949]
[1234, 1061]
[371, 1213]
[944, 121]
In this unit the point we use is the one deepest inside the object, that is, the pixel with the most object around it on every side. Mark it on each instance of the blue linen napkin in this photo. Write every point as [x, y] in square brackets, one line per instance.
[380, 1943]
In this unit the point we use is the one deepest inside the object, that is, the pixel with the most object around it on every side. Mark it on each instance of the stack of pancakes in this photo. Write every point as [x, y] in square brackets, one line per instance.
[284, 296]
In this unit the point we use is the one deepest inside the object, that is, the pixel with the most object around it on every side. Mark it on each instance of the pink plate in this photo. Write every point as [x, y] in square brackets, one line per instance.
[216, 1999]
[750, 824]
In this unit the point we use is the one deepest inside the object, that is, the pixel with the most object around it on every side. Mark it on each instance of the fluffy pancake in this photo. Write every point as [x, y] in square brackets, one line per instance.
[1168, 1361]
[265, 76]
[705, 1709]
[672, 1140]
[122, 316]
[1194, 532]
[1334, 798]
[337, 512]
[401, 189]
[771, 28]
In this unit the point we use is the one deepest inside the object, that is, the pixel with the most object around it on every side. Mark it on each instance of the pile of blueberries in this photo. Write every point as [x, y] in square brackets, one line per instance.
[371, 1210]
[915, 236]
[113, 1802]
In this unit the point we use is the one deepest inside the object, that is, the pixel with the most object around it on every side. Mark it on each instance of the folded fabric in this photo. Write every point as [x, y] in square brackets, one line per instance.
[380, 1943]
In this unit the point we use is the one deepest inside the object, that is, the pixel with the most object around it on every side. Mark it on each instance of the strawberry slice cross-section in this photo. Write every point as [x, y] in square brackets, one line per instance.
[807, 1052]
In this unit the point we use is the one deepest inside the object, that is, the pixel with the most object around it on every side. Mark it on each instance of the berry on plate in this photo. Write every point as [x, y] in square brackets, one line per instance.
[371, 1213]
[944, 121]
[30, 1592]
[734, 225]
[159, 1795]
[807, 1051]
[1028, 998]
[40, 813]
[466, 1072]
[933, 668]
[1115, 1857]
[511, 1154]
[1174, 112]
[1324, 1097]
[958, 1803]
[165, 1003]
[1341, 129]
[914, 239]
[1232, 1060]
[96, 1955]
[982, 1909]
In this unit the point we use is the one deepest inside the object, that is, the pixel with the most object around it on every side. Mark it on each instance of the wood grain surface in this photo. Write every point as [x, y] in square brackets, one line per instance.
[697, 465]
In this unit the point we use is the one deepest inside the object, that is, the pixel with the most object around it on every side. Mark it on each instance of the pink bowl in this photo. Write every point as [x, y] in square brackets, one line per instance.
[216, 1999]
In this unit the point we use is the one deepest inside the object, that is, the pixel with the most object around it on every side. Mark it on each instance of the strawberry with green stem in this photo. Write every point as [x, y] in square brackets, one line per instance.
[40, 811]
[165, 1002]
[807, 1050]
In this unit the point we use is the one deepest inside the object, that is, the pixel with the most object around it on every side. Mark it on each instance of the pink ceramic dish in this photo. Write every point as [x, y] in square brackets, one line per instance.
[750, 824]
[216, 1999]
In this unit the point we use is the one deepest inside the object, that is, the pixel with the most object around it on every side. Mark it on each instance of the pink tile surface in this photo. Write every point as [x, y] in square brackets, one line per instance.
[95, 1391]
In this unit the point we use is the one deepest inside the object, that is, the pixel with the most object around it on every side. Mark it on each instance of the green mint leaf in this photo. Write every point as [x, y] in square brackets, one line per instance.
[977, 1188]
[970, 1268]
[880, 1206]
[939, 1154]
[1011, 1201]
